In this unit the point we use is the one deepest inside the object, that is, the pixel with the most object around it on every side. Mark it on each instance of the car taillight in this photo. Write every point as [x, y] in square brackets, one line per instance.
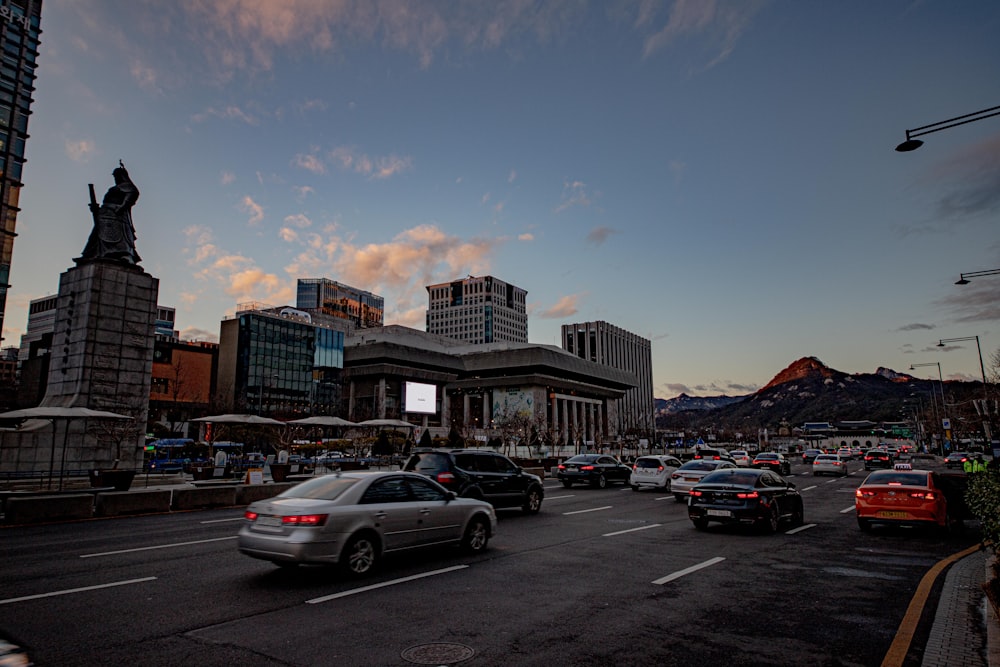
[562, 467]
[659, 468]
[696, 493]
[716, 458]
[836, 463]
[635, 467]
[864, 494]
[697, 456]
[250, 516]
[922, 495]
[445, 478]
[586, 467]
[304, 520]
[675, 476]
[747, 495]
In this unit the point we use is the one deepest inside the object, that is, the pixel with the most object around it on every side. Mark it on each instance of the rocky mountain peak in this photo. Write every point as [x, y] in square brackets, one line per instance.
[804, 368]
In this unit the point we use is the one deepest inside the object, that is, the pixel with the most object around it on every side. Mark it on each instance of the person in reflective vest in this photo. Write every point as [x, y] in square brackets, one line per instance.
[969, 465]
[979, 465]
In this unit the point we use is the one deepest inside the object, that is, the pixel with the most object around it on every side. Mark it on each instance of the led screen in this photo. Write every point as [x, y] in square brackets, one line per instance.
[421, 398]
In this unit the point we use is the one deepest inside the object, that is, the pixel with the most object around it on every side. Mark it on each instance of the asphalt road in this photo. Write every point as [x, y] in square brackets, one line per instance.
[599, 577]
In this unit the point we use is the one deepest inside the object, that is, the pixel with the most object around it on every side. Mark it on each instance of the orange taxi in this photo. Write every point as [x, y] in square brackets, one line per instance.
[903, 496]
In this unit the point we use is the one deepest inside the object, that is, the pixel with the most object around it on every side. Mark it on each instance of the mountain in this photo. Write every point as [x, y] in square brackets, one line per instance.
[810, 391]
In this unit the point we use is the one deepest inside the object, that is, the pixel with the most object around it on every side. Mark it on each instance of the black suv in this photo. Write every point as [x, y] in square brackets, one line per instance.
[475, 473]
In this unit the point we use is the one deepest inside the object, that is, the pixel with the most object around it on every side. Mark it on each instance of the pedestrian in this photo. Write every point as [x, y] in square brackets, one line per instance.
[979, 465]
[968, 465]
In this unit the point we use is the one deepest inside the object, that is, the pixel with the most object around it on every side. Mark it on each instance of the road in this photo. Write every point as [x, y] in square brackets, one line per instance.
[599, 577]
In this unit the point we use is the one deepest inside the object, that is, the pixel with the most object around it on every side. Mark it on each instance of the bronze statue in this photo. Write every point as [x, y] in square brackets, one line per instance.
[113, 236]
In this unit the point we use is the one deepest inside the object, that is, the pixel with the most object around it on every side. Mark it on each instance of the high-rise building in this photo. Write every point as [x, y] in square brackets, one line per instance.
[328, 297]
[19, 31]
[478, 310]
[612, 346]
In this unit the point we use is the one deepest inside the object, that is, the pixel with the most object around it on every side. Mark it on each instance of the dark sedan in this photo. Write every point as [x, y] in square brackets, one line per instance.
[597, 470]
[758, 498]
[772, 461]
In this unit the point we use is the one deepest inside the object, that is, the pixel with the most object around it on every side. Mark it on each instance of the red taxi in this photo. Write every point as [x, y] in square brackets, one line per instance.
[903, 496]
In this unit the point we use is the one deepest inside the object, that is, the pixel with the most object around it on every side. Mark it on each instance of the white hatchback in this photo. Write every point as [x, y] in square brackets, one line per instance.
[653, 471]
[741, 457]
[830, 464]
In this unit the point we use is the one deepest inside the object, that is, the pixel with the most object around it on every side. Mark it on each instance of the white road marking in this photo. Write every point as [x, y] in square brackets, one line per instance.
[849, 509]
[809, 487]
[238, 518]
[664, 498]
[572, 495]
[76, 590]
[800, 529]
[831, 481]
[688, 570]
[592, 509]
[365, 589]
[159, 546]
[632, 530]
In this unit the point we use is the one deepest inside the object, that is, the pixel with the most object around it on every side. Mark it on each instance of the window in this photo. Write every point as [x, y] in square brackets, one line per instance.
[392, 490]
[425, 491]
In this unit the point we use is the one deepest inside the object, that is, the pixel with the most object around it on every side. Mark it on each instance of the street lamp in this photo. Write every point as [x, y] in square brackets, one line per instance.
[964, 277]
[982, 369]
[912, 144]
[944, 410]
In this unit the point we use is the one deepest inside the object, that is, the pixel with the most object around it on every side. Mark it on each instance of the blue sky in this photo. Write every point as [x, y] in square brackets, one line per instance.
[718, 177]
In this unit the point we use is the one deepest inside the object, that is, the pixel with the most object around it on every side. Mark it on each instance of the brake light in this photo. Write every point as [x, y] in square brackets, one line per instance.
[923, 495]
[864, 494]
[586, 467]
[716, 458]
[696, 494]
[562, 467]
[748, 495]
[659, 468]
[675, 476]
[445, 478]
[697, 456]
[304, 520]
[250, 516]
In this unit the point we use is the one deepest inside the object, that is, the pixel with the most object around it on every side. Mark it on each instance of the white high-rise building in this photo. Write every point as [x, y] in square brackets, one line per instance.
[478, 310]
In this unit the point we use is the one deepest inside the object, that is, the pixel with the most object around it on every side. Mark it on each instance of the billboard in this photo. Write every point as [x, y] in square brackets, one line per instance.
[421, 398]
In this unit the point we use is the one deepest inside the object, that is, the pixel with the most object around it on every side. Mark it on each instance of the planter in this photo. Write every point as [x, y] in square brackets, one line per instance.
[202, 473]
[121, 480]
[280, 471]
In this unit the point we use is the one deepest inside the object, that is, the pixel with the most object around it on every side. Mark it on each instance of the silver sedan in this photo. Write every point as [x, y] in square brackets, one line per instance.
[352, 519]
[684, 478]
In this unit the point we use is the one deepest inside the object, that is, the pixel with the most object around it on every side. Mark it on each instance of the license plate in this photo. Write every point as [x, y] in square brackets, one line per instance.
[269, 521]
[718, 513]
[886, 514]
[690, 479]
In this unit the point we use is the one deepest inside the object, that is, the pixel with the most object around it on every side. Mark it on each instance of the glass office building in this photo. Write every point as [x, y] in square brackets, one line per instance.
[19, 32]
[328, 297]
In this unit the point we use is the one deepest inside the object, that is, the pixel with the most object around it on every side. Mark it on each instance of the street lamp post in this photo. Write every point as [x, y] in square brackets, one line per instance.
[944, 414]
[982, 369]
[963, 278]
[912, 144]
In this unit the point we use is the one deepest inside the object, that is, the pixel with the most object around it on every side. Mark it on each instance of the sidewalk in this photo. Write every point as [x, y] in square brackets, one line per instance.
[965, 632]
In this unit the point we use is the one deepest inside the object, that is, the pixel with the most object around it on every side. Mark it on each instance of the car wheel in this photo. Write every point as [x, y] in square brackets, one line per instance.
[533, 501]
[566, 483]
[477, 535]
[815, 473]
[360, 555]
[770, 522]
[700, 524]
[635, 487]
[601, 482]
[864, 524]
[680, 497]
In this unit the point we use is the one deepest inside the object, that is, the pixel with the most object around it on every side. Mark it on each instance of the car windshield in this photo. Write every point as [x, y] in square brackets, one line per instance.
[428, 462]
[898, 477]
[767, 457]
[648, 463]
[583, 458]
[734, 476]
[699, 465]
[326, 487]
[826, 457]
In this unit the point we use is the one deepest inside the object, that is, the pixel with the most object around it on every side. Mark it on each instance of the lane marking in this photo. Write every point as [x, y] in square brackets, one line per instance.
[403, 580]
[76, 590]
[904, 635]
[831, 481]
[806, 526]
[632, 530]
[688, 570]
[592, 509]
[849, 509]
[809, 487]
[664, 498]
[159, 546]
[238, 518]
[560, 497]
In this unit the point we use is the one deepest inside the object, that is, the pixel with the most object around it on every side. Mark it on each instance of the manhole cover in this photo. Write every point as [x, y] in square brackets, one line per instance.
[437, 654]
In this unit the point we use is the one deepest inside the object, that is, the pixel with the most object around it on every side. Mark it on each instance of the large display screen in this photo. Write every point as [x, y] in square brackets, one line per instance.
[421, 398]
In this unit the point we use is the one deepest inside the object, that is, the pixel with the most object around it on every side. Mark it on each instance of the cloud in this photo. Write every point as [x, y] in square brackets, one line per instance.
[288, 235]
[196, 334]
[574, 194]
[145, 76]
[564, 307]
[302, 190]
[978, 301]
[80, 151]
[255, 210]
[512, 176]
[227, 178]
[971, 182]
[527, 236]
[717, 24]
[309, 163]
[236, 275]
[916, 326]
[226, 113]
[377, 168]
[599, 235]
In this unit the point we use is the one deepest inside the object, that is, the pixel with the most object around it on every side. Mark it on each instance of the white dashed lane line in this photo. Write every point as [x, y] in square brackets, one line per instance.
[809, 488]
[632, 530]
[688, 570]
[592, 509]
[800, 529]
[846, 510]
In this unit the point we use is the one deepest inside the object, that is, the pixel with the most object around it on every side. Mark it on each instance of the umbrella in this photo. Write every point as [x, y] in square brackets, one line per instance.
[52, 413]
[399, 423]
[240, 419]
[322, 421]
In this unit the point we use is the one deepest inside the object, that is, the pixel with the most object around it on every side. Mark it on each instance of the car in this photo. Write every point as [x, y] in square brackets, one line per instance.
[772, 461]
[354, 519]
[750, 497]
[653, 471]
[809, 455]
[956, 459]
[892, 452]
[597, 470]
[904, 496]
[481, 474]
[712, 453]
[831, 464]
[741, 457]
[877, 458]
[688, 475]
[845, 453]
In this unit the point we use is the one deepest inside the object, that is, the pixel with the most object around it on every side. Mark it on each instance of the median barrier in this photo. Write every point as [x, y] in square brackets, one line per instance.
[39, 509]
[199, 498]
[247, 493]
[116, 503]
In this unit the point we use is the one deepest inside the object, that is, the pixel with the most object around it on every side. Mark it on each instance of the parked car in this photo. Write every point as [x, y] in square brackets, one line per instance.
[684, 478]
[772, 461]
[877, 458]
[956, 459]
[831, 464]
[809, 455]
[476, 473]
[741, 457]
[653, 471]
[748, 497]
[903, 496]
[597, 470]
[353, 519]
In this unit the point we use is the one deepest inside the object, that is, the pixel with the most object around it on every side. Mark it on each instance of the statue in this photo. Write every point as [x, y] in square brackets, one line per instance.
[113, 236]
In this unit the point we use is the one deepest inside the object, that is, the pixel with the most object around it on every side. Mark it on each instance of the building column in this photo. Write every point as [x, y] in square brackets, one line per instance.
[445, 407]
[350, 400]
[465, 410]
[380, 399]
[564, 420]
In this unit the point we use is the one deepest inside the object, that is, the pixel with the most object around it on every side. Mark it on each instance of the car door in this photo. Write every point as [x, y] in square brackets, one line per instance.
[392, 512]
[440, 520]
[511, 484]
[777, 489]
[480, 468]
[612, 469]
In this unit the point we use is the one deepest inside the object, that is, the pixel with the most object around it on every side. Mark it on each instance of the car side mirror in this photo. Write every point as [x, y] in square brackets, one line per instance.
[449, 495]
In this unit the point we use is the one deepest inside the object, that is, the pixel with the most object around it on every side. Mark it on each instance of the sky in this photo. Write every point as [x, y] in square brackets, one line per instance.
[715, 176]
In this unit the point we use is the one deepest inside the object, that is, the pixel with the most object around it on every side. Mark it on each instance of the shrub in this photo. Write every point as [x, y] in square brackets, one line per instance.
[983, 500]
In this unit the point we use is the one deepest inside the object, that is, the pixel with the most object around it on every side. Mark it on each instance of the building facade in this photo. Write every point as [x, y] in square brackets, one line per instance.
[19, 33]
[182, 384]
[606, 344]
[333, 299]
[478, 310]
[278, 362]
